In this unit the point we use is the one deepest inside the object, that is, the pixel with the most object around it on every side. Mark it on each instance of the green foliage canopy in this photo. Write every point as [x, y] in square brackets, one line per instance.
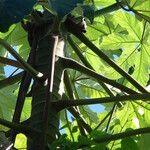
[120, 29]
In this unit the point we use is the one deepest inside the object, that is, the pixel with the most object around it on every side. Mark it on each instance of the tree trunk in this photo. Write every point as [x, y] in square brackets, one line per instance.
[43, 59]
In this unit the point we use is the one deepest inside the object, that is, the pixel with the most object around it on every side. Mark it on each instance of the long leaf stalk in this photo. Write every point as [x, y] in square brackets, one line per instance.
[10, 80]
[104, 119]
[67, 83]
[35, 74]
[40, 92]
[10, 62]
[72, 110]
[87, 64]
[80, 119]
[69, 103]
[83, 126]
[69, 63]
[73, 28]
[19, 128]
[13, 72]
[24, 86]
[122, 135]
[97, 51]
[107, 9]
[111, 115]
[68, 125]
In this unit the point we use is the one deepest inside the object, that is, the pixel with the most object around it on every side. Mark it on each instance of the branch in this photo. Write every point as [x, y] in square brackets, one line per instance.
[35, 74]
[10, 80]
[69, 63]
[122, 135]
[69, 103]
[19, 128]
[11, 62]
[72, 27]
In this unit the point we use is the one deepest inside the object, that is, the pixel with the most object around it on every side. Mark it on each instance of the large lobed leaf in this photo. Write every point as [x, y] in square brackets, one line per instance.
[134, 43]
[63, 7]
[13, 11]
